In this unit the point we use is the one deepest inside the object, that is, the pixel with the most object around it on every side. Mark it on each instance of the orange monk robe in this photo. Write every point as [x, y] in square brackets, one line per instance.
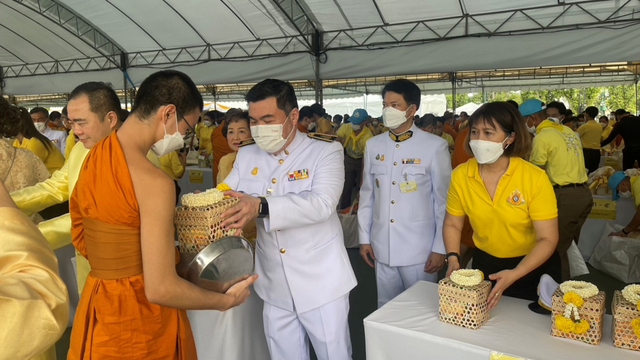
[114, 317]
[220, 148]
[450, 130]
[460, 156]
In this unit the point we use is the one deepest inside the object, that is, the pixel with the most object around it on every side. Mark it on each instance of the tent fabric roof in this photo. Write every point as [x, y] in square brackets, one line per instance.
[50, 46]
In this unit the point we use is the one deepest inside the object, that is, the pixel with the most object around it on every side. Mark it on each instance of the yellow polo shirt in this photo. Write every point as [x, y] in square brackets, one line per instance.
[354, 144]
[449, 139]
[635, 189]
[203, 133]
[503, 226]
[171, 165]
[558, 149]
[605, 132]
[324, 126]
[591, 134]
[71, 142]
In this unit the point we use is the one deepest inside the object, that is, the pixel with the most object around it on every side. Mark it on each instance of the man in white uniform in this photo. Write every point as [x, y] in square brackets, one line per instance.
[292, 184]
[403, 196]
[40, 117]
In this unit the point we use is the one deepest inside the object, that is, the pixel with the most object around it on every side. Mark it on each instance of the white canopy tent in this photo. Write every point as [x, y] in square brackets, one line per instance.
[50, 46]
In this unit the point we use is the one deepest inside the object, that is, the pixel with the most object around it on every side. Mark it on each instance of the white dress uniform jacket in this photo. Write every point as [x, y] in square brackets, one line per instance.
[301, 259]
[404, 228]
[58, 137]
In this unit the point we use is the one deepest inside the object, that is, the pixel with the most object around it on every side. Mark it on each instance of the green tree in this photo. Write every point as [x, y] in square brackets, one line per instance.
[622, 97]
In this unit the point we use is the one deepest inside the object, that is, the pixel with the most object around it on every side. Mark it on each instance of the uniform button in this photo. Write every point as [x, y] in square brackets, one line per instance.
[282, 251]
[392, 221]
[286, 152]
[273, 181]
[393, 202]
[395, 163]
[393, 183]
[280, 161]
[397, 146]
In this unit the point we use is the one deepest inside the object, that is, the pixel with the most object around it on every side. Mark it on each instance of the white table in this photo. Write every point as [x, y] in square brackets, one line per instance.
[408, 328]
[192, 181]
[236, 334]
[592, 229]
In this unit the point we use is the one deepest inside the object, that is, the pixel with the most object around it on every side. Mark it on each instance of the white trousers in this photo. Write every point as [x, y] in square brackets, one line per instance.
[288, 333]
[393, 280]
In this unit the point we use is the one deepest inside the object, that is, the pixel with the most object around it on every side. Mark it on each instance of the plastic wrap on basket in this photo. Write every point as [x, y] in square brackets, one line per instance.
[464, 306]
[199, 226]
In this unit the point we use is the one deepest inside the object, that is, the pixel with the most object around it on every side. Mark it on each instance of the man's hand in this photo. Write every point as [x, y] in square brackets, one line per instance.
[453, 265]
[434, 263]
[367, 254]
[619, 233]
[241, 213]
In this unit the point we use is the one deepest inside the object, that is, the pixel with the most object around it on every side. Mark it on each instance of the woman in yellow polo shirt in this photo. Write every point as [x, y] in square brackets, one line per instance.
[31, 139]
[510, 204]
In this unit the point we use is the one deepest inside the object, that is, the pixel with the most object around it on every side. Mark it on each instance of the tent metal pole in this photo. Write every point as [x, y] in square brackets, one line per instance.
[452, 76]
[635, 85]
[124, 78]
[317, 48]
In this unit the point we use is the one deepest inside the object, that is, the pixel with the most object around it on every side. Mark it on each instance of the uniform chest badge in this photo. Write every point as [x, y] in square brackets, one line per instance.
[254, 172]
[298, 175]
[515, 198]
[411, 161]
[380, 157]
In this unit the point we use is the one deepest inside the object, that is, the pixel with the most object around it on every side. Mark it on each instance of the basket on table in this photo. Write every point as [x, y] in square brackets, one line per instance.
[463, 305]
[198, 226]
[585, 321]
[625, 314]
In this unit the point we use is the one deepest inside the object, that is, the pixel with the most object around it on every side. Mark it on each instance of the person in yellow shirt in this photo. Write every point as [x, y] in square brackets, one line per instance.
[591, 135]
[509, 202]
[558, 150]
[93, 108]
[34, 302]
[71, 138]
[353, 136]
[626, 187]
[376, 127]
[173, 164]
[210, 120]
[606, 131]
[31, 139]
[439, 131]
[323, 126]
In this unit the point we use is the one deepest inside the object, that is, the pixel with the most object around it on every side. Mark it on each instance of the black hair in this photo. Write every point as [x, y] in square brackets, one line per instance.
[603, 117]
[441, 119]
[317, 109]
[427, 120]
[102, 98]
[306, 112]
[28, 129]
[10, 119]
[465, 113]
[559, 106]
[592, 111]
[232, 116]
[215, 115]
[167, 87]
[337, 118]
[620, 112]
[283, 92]
[55, 115]
[410, 91]
[38, 109]
[514, 103]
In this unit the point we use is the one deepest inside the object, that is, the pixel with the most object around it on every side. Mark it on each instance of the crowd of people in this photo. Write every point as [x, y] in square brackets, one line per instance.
[505, 186]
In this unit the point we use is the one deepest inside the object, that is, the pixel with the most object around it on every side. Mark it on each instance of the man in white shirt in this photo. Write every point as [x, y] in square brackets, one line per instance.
[40, 117]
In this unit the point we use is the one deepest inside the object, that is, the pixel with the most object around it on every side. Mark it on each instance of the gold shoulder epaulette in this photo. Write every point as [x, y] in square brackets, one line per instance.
[323, 137]
[246, 142]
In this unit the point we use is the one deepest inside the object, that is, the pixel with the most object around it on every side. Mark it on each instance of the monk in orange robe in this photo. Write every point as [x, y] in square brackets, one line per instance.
[220, 148]
[133, 301]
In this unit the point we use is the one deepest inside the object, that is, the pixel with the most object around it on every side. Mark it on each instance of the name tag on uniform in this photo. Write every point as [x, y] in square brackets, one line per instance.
[411, 161]
[298, 174]
[408, 186]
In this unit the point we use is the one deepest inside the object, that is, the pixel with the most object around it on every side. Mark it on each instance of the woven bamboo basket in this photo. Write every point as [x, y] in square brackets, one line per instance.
[592, 311]
[464, 306]
[199, 226]
[623, 313]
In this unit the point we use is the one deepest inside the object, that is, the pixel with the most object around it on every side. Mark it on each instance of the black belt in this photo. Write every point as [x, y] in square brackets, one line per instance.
[569, 186]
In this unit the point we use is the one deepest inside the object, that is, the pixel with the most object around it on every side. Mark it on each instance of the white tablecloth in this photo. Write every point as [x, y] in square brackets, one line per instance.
[187, 185]
[592, 229]
[408, 328]
[236, 334]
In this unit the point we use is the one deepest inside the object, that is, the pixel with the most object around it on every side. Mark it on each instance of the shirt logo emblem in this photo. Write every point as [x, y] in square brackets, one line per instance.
[298, 174]
[515, 198]
[254, 172]
[411, 161]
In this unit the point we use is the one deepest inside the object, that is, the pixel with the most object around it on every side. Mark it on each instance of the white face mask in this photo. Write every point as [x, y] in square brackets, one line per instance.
[375, 123]
[207, 123]
[393, 118]
[269, 137]
[603, 125]
[355, 127]
[311, 126]
[169, 143]
[555, 120]
[531, 129]
[487, 152]
[40, 126]
[626, 194]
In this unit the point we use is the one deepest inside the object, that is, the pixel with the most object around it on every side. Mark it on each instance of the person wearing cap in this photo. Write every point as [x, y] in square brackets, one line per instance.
[626, 187]
[403, 196]
[353, 136]
[628, 127]
[557, 149]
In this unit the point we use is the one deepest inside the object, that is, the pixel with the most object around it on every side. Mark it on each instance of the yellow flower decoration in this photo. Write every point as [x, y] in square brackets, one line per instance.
[569, 326]
[635, 324]
[573, 298]
[223, 187]
[581, 327]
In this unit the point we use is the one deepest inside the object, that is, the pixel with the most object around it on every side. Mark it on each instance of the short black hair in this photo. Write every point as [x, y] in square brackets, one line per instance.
[426, 120]
[592, 111]
[215, 115]
[441, 119]
[514, 103]
[557, 105]
[282, 90]
[55, 115]
[464, 112]
[317, 109]
[39, 109]
[306, 112]
[620, 112]
[604, 117]
[408, 89]
[568, 113]
[167, 87]
[102, 98]
[337, 118]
